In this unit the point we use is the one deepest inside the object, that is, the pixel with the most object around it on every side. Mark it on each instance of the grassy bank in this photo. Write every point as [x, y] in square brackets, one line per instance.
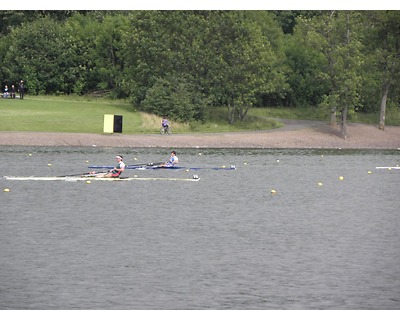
[392, 115]
[86, 115]
[56, 114]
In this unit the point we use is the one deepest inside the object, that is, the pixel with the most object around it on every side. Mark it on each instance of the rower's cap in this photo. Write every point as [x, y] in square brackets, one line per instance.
[119, 157]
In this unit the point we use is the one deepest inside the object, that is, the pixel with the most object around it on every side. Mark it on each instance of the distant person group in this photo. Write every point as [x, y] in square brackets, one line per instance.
[10, 93]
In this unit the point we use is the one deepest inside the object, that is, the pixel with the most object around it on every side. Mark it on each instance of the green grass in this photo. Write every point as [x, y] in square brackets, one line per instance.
[290, 113]
[217, 121]
[59, 114]
[392, 115]
[86, 115]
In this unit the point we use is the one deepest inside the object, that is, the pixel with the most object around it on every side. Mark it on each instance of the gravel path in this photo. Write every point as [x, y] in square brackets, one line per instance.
[295, 134]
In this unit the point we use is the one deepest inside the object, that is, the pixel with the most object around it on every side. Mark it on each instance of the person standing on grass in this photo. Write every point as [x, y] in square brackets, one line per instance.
[5, 95]
[21, 89]
[12, 91]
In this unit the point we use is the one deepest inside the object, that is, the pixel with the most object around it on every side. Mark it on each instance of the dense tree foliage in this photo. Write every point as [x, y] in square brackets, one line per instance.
[334, 35]
[179, 63]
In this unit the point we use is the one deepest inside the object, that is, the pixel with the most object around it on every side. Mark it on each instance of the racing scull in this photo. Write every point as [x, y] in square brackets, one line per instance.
[154, 167]
[69, 178]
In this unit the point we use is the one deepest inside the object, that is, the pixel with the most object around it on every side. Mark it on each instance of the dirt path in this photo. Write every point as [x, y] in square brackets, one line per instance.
[295, 134]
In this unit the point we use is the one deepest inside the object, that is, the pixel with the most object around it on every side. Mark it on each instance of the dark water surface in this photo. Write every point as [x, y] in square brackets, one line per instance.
[224, 242]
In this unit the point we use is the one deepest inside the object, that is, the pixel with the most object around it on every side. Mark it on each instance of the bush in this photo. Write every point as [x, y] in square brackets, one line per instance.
[175, 98]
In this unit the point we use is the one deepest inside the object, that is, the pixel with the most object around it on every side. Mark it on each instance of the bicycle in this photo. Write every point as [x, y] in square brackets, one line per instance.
[166, 130]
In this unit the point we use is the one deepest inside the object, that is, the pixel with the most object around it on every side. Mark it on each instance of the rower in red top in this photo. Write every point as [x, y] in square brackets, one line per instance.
[118, 169]
[113, 173]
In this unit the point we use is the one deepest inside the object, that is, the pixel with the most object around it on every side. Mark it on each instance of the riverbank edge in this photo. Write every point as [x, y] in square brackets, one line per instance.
[312, 135]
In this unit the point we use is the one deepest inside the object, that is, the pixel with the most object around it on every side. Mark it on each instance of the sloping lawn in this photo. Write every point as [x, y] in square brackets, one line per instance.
[53, 114]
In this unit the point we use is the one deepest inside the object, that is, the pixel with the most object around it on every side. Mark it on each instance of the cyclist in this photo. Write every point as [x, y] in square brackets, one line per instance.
[165, 124]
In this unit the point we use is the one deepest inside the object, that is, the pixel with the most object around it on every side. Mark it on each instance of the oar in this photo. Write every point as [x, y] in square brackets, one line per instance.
[155, 163]
[145, 164]
[79, 174]
[131, 166]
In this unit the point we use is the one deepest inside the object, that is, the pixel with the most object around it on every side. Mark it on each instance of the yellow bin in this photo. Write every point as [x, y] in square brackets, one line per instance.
[108, 123]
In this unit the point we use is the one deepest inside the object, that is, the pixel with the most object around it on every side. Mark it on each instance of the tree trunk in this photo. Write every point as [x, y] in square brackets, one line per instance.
[243, 111]
[231, 112]
[333, 117]
[383, 106]
[343, 123]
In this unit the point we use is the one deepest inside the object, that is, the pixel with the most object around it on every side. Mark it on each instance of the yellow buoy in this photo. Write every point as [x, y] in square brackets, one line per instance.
[49, 164]
[369, 172]
[341, 178]
[87, 161]
[30, 154]
[187, 170]
[245, 163]
[135, 158]
[6, 190]
[88, 181]
[273, 191]
[320, 183]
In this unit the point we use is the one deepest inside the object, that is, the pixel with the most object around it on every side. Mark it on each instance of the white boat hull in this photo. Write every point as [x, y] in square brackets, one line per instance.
[98, 179]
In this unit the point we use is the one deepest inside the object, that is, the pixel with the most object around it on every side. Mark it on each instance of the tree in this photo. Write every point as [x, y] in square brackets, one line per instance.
[10, 19]
[175, 97]
[384, 37]
[244, 65]
[336, 35]
[108, 53]
[306, 78]
[34, 54]
[145, 53]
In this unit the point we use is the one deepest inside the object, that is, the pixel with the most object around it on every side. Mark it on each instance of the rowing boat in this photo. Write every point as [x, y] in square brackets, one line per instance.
[151, 167]
[389, 168]
[31, 178]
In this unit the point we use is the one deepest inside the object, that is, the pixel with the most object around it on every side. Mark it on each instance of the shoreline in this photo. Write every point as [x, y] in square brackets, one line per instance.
[295, 135]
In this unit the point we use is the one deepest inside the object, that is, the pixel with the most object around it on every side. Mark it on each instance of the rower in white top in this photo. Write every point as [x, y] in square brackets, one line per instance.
[173, 160]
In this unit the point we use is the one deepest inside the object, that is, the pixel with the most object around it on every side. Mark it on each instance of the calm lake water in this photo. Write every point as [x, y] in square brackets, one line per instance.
[224, 242]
